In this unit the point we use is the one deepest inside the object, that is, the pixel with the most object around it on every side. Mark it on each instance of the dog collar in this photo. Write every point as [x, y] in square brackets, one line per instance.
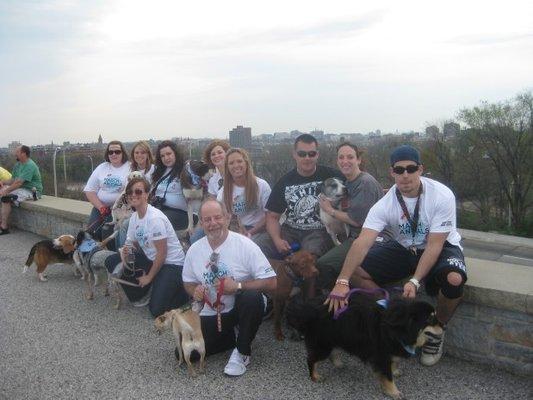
[87, 245]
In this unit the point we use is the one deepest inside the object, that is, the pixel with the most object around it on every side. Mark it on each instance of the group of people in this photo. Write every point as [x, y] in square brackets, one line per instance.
[408, 231]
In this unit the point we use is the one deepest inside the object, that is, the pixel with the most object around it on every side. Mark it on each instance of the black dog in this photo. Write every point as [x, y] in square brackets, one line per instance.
[375, 334]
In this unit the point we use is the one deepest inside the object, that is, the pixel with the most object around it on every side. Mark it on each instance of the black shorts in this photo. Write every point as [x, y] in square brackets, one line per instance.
[388, 262]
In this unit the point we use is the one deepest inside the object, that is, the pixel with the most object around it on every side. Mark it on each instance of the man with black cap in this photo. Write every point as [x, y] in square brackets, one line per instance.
[420, 212]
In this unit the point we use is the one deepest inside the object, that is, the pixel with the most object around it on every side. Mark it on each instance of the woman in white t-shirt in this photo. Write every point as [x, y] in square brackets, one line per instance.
[214, 156]
[244, 194]
[159, 256]
[105, 185]
[167, 194]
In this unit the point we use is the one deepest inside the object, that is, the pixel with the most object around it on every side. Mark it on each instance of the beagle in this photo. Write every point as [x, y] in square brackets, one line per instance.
[187, 331]
[57, 251]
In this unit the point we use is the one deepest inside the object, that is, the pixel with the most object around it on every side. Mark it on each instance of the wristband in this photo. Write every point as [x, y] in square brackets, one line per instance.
[239, 287]
[415, 282]
[344, 282]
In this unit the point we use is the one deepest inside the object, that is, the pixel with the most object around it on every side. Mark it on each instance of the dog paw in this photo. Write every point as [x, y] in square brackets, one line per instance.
[279, 336]
[25, 269]
[317, 378]
[89, 296]
[42, 277]
[396, 373]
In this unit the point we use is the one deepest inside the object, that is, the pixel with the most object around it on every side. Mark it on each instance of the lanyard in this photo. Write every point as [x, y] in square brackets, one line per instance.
[413, 222]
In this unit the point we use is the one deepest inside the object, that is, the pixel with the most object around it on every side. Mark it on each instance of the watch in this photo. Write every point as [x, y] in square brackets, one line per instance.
[239, 287]
[415, 282]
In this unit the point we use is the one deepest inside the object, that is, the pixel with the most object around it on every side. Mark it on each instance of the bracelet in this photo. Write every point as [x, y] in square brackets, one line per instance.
[344, 282]
[415, 282]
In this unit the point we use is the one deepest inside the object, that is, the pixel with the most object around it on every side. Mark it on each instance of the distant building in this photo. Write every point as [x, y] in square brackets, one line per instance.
[13, 145]
[451, 129]
[318, 134]
[241, 137]
[432, 130]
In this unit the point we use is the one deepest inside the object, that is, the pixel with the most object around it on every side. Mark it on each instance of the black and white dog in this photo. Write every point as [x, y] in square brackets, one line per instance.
[333, 190]
[194, 178]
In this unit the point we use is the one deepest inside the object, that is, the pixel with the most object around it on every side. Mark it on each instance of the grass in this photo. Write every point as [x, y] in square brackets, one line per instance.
[472, 220]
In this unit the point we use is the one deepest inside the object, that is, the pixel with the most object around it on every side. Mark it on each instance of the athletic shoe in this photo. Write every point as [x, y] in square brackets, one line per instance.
[144, 301]
[432, 350]
[237, 364]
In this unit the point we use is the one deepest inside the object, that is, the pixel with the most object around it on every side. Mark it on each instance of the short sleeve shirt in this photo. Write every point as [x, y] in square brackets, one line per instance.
[437, 215]
[30, 174]
[297, 196]
[239, 258]
[171, 190]
[108, 182]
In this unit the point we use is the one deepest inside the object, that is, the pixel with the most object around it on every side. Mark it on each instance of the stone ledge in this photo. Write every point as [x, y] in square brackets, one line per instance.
[76, 210]
[489, 237]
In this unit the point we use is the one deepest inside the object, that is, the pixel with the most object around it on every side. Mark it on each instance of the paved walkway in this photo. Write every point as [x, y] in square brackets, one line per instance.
[56, 345]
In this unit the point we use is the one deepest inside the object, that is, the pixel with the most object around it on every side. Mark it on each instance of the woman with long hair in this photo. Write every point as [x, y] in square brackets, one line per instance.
[105, 185]
[214, 156]
[243, 194]
[167, 191]
[142, 159]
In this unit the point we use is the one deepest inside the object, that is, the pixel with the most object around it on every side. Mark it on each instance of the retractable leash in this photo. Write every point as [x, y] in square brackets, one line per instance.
[101, 218]
[381, 302]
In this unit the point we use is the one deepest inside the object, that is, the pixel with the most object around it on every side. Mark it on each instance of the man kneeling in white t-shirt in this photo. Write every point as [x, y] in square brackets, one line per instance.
[229, 273]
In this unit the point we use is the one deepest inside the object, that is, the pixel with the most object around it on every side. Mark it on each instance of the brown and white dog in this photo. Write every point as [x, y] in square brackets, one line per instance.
[194, 178]
[60, 250]
[121, 210]
[333, 190]
[297, 269]
[187, 331]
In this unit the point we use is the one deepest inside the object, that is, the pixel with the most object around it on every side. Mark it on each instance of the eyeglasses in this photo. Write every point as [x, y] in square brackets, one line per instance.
[411, 169]
[136, 192]
[310, 154]
[216, 218]
[213, 261]
[111, 152]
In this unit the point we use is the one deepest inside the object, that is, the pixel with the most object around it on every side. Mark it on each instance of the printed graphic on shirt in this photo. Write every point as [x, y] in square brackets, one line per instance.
[140, 236]
[422, 230]
[209, 278]
[457, 262]
[112, 183]
[301, 202]
[239, 205]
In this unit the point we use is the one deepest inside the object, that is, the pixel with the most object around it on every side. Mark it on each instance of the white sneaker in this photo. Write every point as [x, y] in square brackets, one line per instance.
[144, 301]
[432, 349]
[237, 364]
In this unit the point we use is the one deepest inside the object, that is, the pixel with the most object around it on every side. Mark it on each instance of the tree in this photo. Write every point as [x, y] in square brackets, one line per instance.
[504, 131]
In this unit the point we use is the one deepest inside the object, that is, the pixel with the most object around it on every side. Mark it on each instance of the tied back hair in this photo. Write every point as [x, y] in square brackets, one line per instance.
[251, 188]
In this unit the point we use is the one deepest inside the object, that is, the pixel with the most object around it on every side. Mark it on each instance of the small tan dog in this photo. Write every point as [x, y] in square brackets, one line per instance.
[187, 333]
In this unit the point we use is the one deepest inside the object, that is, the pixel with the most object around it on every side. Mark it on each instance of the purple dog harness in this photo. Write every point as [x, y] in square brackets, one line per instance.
[382, 302]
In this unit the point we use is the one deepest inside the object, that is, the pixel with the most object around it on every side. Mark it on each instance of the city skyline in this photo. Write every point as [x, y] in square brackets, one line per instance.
[133, 69]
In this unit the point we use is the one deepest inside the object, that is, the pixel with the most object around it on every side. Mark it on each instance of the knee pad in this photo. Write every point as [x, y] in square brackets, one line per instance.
[448, 290]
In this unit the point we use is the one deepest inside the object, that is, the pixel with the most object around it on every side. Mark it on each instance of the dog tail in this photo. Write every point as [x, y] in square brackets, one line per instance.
[29, 261]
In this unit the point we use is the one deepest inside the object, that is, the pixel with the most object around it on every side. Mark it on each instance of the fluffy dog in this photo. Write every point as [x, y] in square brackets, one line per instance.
[375, 334]
[187, 331]
[93, 255]
[194, 178]
[297, 269]
[333, 190]
[121, 210]
[60, 250]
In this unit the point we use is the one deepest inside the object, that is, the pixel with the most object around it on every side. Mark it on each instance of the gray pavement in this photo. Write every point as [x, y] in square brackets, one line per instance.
[507, 253]
[56, 345]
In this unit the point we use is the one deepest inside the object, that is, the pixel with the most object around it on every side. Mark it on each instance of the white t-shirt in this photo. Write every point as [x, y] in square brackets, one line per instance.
[174, 196]
[155, 226]
[240, 258]
[437, 215]
[213, 185]
[148, 175]
[250, 217]
[108, 182]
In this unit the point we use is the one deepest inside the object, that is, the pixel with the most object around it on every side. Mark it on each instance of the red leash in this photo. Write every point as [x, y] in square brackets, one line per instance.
[217, 305]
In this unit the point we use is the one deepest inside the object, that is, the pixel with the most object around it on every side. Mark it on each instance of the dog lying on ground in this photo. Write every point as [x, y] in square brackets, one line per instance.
[297, 269]
[187, 331]
[121, 210]
[377, 335]
[92, 255]
[194, 178]
[333, 190]
[59, 250]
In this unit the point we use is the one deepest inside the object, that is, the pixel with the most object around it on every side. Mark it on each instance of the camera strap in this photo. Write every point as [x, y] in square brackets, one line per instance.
[161, 180]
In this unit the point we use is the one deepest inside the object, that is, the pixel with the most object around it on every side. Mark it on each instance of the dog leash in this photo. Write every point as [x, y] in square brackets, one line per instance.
[339, 312]
[101, 218]
[218, 304]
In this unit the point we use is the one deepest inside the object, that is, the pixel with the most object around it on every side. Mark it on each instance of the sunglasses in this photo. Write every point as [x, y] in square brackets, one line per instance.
[310, 154]
[136, 192]
[213, 261]
[111, 152]
[411, 169]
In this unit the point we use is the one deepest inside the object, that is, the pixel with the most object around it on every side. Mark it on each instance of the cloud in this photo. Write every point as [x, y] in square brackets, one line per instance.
[491, 39]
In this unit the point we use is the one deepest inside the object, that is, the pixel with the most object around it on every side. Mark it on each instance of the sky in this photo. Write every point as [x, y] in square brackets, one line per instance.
[129, 69]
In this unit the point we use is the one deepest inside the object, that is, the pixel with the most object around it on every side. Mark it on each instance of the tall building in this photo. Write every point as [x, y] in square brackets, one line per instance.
[241, 137]
[451, 129]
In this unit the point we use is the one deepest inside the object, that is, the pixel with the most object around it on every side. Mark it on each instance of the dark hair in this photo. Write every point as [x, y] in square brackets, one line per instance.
[25, 149]
[119, 143]
[352, 146]
[160, 167]
[305, 138]
[207, 152]
[143, 180]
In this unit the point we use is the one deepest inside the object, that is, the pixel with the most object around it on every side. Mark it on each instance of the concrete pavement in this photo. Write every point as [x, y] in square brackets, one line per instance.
[56, 345]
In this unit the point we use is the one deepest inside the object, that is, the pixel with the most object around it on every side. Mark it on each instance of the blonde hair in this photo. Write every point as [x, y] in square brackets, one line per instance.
[251, 188]
[149, 162]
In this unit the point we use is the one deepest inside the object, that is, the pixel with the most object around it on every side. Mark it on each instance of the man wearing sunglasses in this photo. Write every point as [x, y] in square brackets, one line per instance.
[296, 195]
[228, 273]
[420, 213]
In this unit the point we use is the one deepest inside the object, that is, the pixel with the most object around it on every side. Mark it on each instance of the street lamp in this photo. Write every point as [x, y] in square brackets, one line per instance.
[92, 167]
[55, 174]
